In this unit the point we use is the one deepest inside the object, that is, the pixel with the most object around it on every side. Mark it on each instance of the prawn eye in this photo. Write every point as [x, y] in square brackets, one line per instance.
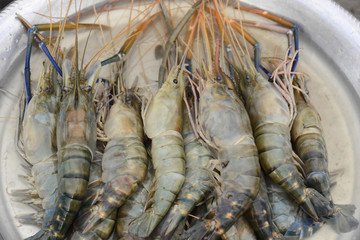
[66, 89]
[87, 88]
[175, 81]
[218, 78]
[48, 89]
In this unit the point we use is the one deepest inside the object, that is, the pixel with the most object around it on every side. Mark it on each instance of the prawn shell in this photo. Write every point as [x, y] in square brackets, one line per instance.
[123, 121]
[165, 110]
[39, 135]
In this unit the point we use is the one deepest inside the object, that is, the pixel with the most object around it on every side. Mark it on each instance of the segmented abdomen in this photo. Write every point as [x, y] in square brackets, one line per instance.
[199, 181]
[310, 146]
[275, 155]
[240, 172]
[102, 230]
[241, 230]
[124, 168]
[45, 174]
[169, 163]
[287, 216]
[124, 157]
[260, 215]
[133, 207]
[167, 154]
[74, 169]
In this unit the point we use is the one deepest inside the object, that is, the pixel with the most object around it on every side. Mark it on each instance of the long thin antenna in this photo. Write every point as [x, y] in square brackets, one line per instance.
[173, 36]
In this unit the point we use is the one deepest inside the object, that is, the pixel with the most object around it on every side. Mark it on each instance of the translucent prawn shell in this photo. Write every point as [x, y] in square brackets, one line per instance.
[40, 124]
[266, 104]
[166, 106]
[307, 120]
[228, 113]
[123, 120]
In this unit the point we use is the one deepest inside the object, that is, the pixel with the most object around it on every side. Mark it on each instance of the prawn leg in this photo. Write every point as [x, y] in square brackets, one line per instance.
[239, 29]
[32, 32]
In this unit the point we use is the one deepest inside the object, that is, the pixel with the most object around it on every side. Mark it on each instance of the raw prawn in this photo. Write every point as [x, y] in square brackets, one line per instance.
[270, 118]
[309, 144]
[224, 122]
[124, 161]
[163, 123]
[76, 138]
[39, 142]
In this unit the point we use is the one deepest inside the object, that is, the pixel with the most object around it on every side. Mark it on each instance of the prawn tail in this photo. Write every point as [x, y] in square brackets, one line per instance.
[144, 225]
[81, 221]
[199, 231]
[188, 198]
[342, 220]
[101, 230]
[304, 228]
[41, 235]
[173, 222]
[101, 211]
[316, 205]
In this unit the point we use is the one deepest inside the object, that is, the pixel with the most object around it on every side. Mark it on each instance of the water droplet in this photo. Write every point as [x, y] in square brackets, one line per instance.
[16, 40]
[4, 58]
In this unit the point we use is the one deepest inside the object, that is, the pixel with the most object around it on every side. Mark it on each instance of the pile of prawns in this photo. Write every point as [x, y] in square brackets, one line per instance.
[228, 146]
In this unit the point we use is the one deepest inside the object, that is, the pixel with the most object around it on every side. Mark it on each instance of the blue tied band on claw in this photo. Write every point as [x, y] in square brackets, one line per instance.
[257, 56]
[31, 33]
[296, 37]
[43, 47]
[265, 71]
